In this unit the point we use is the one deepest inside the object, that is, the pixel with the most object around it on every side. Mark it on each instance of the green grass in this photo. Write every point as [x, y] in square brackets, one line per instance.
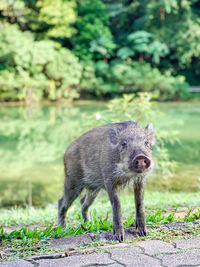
[154, 201]
[26, 231]
[169, 235]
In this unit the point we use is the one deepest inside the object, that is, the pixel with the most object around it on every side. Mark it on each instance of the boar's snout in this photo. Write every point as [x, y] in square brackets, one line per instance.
[140, 163]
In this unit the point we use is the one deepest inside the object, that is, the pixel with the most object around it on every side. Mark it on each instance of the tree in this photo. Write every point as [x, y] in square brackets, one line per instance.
[56, 18]
[94, 39]
[32, 69]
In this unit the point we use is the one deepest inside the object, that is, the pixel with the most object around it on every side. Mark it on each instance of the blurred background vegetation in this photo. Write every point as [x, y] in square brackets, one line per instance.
[128, 52]
[98, 48]
[33, 139]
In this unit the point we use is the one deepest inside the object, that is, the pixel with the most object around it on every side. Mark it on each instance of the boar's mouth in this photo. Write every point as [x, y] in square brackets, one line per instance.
[140, 163]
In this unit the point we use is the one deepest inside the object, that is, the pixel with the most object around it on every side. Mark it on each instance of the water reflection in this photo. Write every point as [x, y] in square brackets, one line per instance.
[33, 140]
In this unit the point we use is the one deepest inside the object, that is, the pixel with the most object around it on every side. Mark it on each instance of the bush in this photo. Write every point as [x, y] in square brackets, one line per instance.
[131, 76]
[32, 69]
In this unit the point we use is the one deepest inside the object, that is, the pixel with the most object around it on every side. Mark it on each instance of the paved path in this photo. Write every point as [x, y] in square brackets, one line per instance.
[151, 253]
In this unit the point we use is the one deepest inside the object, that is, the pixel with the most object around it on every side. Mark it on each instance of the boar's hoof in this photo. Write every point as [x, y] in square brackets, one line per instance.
[142, 231]
[141, 227]
[119, 235]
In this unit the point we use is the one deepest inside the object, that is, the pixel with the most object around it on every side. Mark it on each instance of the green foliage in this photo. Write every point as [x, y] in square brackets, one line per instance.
[94, 39]
[142, 42]
[128, 77]
[64, 73]
[123, 46]
[32, 69]
[125, 52]
[162, 32]
[13, 10]
[56, 17]
[88, 79]
[183, 36]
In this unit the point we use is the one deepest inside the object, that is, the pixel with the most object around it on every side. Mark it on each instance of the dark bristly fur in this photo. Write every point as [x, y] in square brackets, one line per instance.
[108, 157]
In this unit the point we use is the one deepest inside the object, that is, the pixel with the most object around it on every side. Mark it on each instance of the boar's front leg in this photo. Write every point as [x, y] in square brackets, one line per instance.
[117, 214]
[139, 205]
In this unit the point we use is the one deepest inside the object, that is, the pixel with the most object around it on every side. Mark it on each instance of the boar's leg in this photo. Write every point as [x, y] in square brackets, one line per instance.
[139, 205]
[62, 209]
[72, 191]
[87, 201]
[117, 214]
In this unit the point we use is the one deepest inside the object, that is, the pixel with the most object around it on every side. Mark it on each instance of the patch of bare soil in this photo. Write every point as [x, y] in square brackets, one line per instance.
[182, 212]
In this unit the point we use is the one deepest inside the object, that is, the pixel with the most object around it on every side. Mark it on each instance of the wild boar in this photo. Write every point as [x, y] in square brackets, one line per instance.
[107, 157]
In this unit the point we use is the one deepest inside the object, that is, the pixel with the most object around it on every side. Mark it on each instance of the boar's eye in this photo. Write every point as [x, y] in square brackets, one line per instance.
[123, 144]
[147, 144]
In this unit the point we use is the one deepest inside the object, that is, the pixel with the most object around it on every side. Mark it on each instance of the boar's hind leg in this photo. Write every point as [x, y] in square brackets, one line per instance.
[72, 191]
[87, 201]
[139, 205]
[62, 209]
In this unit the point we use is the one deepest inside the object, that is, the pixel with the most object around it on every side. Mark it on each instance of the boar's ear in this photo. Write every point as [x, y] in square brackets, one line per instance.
[150, 133]
[113, 136]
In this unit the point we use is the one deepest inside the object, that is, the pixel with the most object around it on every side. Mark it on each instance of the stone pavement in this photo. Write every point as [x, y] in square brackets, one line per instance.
[76, 252]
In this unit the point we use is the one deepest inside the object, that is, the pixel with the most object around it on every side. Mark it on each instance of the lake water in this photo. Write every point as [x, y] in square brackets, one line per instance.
[33, 140]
